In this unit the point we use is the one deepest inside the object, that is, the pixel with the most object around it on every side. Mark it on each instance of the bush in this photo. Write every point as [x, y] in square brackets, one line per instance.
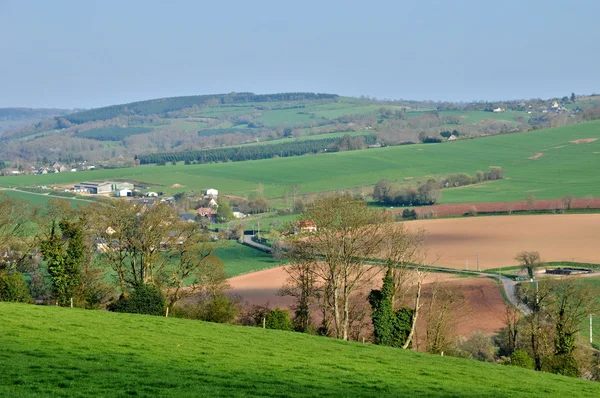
[564, 364]
[13, 287]
[219, 309]
[522, 359]
[279, 319]
[145, 299]
[409, 214]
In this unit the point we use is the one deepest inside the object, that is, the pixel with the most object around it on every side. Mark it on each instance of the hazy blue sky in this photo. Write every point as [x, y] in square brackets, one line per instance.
[94, 53]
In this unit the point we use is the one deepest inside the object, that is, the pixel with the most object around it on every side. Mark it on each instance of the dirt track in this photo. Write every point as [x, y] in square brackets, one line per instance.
[557, 237]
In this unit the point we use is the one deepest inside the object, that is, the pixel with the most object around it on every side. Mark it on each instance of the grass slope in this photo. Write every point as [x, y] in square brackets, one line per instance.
[239, 259]
[50, 351]
[564, 168]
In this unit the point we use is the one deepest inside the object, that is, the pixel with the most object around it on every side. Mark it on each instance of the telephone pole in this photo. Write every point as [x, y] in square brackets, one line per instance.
[591, 331]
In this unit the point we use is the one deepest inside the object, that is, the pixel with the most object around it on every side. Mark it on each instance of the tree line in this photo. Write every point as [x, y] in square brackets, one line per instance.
[112, 133]
[251, 152]
[428, 193]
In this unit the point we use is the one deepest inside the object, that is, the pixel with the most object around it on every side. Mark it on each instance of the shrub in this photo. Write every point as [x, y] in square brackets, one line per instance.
[522, 359]
[13, 287]
[219, 309]
[145, 299]
[564, 364]
[409, 214]
[279, 319]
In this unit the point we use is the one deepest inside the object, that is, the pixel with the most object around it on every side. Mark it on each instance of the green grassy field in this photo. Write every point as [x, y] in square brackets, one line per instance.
[564, 168]
[52, 351]
[240, 259]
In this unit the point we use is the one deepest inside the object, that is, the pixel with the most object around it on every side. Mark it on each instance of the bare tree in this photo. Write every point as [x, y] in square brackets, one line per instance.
[568, 201]
[529, 261]
[348, 234]
[403, 252]
[14, 215]
[192, 257]
[530, 199]
[439, 336]
[589, 199]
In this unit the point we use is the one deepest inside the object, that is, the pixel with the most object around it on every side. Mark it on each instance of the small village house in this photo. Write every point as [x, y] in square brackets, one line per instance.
[305, 226]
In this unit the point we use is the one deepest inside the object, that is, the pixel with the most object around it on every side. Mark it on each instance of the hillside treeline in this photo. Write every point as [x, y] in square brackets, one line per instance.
[428, 193]
[255, 152]
[113, 133]
[164, 105]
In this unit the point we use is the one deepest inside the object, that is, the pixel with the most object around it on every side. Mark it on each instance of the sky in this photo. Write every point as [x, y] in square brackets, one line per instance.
[84, 54]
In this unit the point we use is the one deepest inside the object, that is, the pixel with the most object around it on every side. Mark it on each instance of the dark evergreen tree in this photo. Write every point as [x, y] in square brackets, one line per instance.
[391, 327]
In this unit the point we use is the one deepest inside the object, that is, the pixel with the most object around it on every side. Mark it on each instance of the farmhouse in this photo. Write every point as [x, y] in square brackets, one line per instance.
[497, 110]
[237, 213]
[207, 212]
[305, 226]
[452, 138]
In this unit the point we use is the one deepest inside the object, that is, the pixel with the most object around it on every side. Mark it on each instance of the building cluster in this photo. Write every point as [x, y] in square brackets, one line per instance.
[121, 189]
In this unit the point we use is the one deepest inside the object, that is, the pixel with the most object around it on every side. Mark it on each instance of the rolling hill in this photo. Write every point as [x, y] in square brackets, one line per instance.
[115, 134]
[51, 351]
[563, 168]
[14, 118]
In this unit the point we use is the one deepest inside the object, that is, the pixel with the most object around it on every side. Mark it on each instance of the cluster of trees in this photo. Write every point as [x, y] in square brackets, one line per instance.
[155, 258]
[428, 193]
[113, 133]
[248, 152]
[447, 134]
[425, 194]
[164, 105]
[331, 267]
[545, 339]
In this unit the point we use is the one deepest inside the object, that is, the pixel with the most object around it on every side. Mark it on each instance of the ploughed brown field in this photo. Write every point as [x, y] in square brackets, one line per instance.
[558, 237]
[480, 307]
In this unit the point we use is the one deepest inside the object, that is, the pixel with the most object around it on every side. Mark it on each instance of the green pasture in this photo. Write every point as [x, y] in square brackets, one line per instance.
[61, 352]
[564, 168]
[478, 116]
[239, 259]
[309, 138]
[283, 116]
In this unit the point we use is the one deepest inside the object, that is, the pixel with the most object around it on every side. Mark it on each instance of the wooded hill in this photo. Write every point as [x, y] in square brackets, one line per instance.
[113, 136]
[13, 118]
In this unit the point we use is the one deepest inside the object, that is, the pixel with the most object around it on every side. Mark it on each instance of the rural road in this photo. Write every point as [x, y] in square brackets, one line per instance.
[248, 241]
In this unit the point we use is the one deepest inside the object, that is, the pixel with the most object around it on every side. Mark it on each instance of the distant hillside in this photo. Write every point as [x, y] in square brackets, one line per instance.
[13, 118]
[52, 351]
[162, 106]
[114, 136]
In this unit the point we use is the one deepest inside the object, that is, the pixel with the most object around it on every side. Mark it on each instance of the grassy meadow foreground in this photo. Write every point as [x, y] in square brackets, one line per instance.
[49, 351]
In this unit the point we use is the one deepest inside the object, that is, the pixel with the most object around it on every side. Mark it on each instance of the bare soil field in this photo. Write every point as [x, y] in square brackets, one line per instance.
[558, 237]
[446, 210]
[480, 307]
